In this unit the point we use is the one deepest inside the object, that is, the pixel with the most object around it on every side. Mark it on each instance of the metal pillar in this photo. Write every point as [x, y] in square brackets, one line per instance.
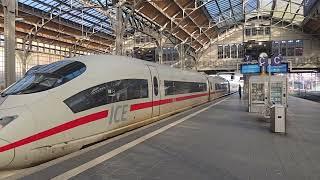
[119, 32]
[160, 54]
[182, 56]
[9, 9]
[24, 55]
[24, 58]
[316, 81]
[160, 48]
[292, 83]
[246, 87]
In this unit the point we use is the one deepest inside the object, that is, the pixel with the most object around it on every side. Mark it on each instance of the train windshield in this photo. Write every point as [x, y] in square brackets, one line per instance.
[45, 77]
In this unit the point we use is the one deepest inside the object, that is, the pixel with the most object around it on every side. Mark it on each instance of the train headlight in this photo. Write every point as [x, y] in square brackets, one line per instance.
[6, 120]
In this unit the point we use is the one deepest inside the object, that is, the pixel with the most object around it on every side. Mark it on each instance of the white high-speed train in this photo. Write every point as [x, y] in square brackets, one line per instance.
[234, 79]
[59, 108]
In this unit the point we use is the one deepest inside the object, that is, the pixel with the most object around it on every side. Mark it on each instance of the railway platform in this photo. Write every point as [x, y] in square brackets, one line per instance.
[219, 140]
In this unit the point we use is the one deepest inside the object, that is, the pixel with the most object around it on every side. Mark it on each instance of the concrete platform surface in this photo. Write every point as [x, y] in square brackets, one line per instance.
[222, 142]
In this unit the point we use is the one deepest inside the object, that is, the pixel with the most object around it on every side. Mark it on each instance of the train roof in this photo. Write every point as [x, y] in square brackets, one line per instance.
[121, 61]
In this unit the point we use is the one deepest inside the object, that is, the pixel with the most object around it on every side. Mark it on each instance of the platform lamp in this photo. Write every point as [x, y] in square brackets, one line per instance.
[19, 19]
[263, 61]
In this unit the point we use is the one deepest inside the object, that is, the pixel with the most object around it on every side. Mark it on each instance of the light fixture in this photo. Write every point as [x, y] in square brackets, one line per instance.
[19, 19]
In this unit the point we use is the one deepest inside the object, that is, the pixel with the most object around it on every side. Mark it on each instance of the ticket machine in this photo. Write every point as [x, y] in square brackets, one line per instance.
[259, 92]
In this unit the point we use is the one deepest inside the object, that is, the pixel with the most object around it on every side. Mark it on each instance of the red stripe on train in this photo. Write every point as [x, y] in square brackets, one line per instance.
[191, 97]
[90, 118]
[144, 105]
[63, 127]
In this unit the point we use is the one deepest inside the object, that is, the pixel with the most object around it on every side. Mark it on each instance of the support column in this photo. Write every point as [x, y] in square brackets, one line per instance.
[245, 87]
[160, 54]
[196, 59]
[24, 64]
[9, 8]
[316, 81]
[24, 58]
[72, 52]
[24, 55]
[160, 48]
[119, 32]
[182, 56]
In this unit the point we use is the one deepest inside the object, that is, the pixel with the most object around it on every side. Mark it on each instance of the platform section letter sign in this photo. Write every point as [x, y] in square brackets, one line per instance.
[263, 61]
[276, 60]
[247, 58]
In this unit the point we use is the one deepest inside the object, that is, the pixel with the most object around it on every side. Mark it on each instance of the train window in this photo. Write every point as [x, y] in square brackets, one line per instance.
[107, 93]
[180, 87]
[34, 69]
[155, 86]
[221, 86]
[199, 87]
[168, 88]
[45, 77]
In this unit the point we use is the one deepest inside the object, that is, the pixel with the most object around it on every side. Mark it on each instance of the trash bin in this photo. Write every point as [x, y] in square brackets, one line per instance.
[278, 119]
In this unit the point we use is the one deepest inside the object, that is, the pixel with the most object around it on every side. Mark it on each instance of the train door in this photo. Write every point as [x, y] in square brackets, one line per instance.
[155, 90]
[211, 94]
[209, 89]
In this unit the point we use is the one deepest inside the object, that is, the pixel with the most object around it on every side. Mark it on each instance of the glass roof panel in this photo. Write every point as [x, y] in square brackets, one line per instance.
[236, 3]
[228, 12]
[290, 11]
[39, 6]
[24, 1]
[66, 16]
[75, 11]
[286, 10]
[288, 16]
[224, 5]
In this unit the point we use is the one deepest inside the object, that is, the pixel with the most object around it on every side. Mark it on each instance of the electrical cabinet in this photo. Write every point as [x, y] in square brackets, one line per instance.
[278, 119]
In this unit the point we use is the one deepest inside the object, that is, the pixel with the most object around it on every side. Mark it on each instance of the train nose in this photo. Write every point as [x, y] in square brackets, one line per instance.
[6, 154]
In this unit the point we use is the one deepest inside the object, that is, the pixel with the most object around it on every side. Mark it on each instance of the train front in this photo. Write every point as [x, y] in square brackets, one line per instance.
[13, 116]
[18, 127]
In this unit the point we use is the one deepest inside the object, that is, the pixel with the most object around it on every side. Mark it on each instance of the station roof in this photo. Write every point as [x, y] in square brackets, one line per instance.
[229, 12]
[87, 24]
[67, 22]
[74, 11]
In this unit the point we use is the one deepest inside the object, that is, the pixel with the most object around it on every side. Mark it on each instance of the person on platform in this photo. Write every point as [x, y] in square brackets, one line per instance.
[239, 91]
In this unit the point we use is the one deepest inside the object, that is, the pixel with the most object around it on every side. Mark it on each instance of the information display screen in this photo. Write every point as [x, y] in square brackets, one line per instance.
[308, 5]
[250, 69]
[283, 68]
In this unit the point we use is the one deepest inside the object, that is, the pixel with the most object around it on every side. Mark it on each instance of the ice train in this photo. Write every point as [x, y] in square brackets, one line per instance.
[62, 107]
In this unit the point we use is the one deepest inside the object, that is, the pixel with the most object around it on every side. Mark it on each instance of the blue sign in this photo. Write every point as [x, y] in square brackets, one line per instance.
[308, 6]
[282, 68]
[263, 61]
[247, 58]
[250, 69]
[276, 60]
